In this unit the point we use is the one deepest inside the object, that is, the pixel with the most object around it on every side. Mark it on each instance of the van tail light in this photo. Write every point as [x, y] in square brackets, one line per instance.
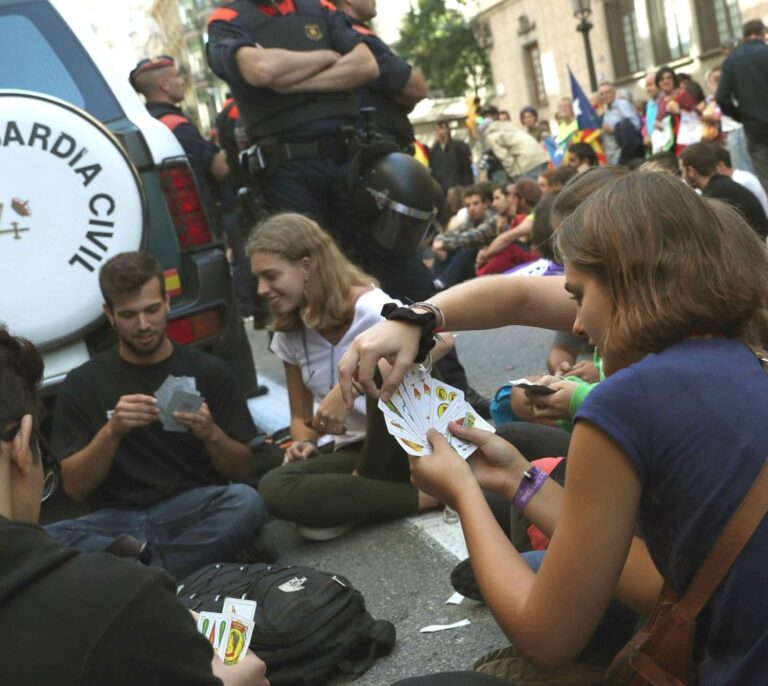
[186, 205]
[196, 327]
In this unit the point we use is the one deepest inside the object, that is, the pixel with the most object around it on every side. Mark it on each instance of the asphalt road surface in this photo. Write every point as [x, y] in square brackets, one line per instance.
[403, 567]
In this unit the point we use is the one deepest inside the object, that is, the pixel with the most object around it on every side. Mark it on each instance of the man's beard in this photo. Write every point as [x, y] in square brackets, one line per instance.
[146, 352]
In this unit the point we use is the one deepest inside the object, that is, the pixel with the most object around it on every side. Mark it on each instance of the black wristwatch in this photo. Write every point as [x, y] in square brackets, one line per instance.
[426, 321]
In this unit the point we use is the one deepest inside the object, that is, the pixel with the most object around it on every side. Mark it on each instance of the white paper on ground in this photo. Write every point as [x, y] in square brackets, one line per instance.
[442, 627]
[455, 599]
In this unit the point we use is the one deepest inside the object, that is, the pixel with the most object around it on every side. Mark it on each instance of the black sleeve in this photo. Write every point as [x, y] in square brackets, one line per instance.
[152, 642]
[195, 145]
[343, 37]
[394, 72]
[73, 427]
[224, 40]
[227, 403]
[724, 95]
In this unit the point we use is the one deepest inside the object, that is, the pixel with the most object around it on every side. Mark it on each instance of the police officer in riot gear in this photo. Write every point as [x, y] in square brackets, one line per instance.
[394, 93]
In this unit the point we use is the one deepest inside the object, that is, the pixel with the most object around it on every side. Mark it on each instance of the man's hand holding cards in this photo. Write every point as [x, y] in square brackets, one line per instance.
[421, 403]
[181, 406]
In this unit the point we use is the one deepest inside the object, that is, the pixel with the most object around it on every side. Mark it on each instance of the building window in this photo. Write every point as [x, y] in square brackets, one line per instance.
[535, 75]
[719, 23]
[626, 45]
[670, 23]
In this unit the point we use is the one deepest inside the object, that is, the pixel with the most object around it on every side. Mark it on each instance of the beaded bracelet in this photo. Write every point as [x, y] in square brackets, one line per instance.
[533, 480]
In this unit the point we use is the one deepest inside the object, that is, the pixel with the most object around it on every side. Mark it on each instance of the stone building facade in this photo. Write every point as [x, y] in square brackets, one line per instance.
[532, 43]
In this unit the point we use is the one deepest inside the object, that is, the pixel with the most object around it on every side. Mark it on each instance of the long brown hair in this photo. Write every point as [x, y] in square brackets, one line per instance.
[673, 264]
[326, 302]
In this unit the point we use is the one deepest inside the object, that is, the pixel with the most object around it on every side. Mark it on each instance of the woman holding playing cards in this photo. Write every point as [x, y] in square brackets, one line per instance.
[320, 302]
[668, 295]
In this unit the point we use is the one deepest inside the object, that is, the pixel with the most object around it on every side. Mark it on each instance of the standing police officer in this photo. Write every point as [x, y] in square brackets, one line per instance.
[161, 84]
[396, 91]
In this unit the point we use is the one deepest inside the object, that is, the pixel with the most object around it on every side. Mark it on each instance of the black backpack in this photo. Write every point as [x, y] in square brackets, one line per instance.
[308, 623]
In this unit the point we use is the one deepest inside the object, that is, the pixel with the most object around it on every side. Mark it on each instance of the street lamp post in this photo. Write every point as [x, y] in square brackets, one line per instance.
[582, 10]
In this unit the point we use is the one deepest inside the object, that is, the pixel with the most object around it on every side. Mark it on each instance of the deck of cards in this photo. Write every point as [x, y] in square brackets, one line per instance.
[229, 631]
[421, 403]
[177, 394]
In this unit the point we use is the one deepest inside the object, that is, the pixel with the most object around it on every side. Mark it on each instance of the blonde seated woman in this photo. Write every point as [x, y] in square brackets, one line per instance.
[320, 302]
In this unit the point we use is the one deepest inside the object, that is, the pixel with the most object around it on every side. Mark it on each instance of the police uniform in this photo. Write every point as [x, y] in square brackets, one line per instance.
[199, 151]
[307, 161]
[391, 118]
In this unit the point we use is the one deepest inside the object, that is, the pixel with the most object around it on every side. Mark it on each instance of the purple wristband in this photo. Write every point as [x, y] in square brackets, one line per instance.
[533, 480]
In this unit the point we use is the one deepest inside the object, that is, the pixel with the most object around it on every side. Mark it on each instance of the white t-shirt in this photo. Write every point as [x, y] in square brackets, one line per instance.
[751, 183]
[317, 357]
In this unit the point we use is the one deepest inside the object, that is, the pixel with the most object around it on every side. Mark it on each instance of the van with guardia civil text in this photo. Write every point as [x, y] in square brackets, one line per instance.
[86, 173]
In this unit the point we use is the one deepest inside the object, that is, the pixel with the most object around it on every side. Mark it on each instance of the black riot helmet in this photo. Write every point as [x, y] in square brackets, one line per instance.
[395, 198]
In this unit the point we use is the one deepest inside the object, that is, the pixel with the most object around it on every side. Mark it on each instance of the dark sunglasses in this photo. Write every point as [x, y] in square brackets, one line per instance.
[51, 467]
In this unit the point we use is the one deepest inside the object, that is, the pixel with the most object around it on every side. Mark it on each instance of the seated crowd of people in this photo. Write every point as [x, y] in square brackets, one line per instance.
[589, 499]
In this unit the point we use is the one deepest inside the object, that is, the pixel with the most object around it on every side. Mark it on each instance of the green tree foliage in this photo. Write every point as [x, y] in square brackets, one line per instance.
[440, 42]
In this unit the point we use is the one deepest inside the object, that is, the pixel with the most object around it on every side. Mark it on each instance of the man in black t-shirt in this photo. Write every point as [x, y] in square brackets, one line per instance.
[73, 619]
[167, 488]
[698, 166]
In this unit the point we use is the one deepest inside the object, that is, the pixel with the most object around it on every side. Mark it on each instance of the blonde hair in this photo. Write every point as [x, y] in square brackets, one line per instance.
[326, 302]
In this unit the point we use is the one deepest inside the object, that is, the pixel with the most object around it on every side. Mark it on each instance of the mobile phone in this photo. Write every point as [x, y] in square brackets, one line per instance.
[533, 388]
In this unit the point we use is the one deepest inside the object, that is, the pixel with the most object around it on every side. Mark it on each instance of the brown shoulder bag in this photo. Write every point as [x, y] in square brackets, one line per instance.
[661, 653]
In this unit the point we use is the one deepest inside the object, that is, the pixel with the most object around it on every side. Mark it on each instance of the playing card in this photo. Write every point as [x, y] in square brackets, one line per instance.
[444, 397]
[215, 627]
[421, 403]
[183, 401]
[239, 633]
[417, 389]
[167, 400]
[240, 606]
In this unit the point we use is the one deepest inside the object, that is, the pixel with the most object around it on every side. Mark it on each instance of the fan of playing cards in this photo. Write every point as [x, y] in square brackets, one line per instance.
[230, 630]
[177, 394]
[422, 403]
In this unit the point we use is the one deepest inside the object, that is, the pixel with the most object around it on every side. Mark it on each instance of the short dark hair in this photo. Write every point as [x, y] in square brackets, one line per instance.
[21, 371]
[700, 156]
[562, 175]
[722, 154]
[665, 70]
[499, 187]
[126, 273]
[584, 151]
[530, 109]
[754, 27]
[542, 231]
[528, 190]
[665, 161]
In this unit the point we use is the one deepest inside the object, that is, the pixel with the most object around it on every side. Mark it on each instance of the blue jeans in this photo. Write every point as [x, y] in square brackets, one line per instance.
[186, 532]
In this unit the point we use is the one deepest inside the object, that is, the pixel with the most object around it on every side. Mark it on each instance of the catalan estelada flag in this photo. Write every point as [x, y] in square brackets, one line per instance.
[588, 120]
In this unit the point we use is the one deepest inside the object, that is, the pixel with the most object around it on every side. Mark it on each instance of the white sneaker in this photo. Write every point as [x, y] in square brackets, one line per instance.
[328, 533]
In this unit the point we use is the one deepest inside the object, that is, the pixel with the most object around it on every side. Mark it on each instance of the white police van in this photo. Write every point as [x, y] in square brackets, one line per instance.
[86, 173]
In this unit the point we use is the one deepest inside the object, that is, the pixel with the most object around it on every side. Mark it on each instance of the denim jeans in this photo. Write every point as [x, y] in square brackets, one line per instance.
[186, 532]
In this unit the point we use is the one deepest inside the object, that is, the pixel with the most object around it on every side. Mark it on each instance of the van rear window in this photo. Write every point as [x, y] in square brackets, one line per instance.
[41, 54]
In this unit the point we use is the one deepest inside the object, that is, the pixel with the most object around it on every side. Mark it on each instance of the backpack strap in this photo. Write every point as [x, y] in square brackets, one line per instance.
[729, 544]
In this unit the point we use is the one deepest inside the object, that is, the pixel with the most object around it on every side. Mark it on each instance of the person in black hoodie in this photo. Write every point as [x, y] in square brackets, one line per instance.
[69, 618]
